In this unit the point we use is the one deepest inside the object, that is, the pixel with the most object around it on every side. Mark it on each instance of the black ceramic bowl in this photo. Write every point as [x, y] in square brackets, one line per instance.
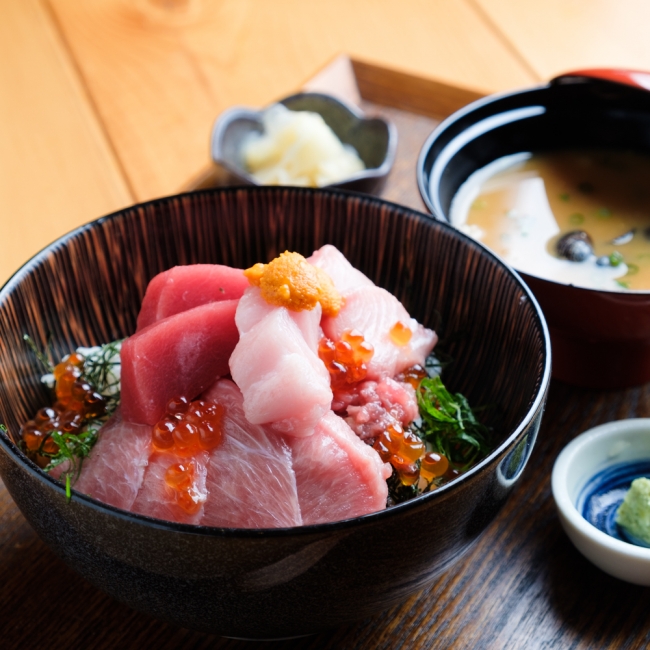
[86, 289]
[600, 338]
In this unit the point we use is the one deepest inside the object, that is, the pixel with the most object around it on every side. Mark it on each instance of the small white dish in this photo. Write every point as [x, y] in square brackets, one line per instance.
[599, 465]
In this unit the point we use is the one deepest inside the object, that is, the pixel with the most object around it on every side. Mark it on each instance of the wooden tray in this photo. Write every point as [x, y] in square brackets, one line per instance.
[415, 105]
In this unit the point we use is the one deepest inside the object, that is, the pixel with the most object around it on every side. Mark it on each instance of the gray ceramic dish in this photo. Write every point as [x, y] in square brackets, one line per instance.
[87, 287]
[375, 139]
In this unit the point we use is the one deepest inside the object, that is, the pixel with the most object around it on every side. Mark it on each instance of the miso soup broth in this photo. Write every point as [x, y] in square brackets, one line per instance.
[521, 206]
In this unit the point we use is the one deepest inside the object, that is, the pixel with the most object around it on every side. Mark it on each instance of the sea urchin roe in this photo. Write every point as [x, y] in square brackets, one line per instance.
[400, 334]
[346, 360]
[180, 478]
[77, 402]
[291, 281]
[188, 427]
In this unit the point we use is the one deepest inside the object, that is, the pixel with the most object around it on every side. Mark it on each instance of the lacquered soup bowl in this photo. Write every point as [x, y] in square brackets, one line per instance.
[600, 338]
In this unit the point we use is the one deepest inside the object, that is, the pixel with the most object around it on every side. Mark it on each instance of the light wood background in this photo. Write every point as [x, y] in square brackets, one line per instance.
[107, 102]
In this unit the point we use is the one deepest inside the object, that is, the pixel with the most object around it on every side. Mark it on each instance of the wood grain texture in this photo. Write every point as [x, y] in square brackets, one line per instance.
[57, 169]
[409, 92]
[557, 36]
[160, 72]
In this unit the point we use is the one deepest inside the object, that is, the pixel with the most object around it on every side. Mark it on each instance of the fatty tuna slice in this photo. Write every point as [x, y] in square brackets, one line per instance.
[345, 277]
[252, 308]
[114, 470]
[374, 312]
[338, 476]
[156, 499]
[250, 479]
[180, 355]
[185, 287]
[283, 381]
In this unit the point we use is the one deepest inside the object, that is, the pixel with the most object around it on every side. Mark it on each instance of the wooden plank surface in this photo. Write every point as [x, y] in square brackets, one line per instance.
[555, 36]
[57, 169]
[161, 71]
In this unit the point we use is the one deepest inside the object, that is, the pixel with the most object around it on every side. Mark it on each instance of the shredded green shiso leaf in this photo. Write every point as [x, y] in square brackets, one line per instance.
[73, 448]
[448, 426]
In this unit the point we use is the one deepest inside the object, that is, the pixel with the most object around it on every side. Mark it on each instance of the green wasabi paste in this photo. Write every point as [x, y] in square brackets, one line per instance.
[634, 513]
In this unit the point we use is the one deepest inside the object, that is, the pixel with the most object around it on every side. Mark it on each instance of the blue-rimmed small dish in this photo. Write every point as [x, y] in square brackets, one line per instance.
[374, 138]
[590, 479]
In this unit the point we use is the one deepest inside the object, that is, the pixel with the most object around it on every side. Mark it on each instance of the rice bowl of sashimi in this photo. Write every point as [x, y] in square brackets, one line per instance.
[250, 369]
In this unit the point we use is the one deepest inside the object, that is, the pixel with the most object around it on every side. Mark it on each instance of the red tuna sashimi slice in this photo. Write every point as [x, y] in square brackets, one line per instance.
[345, 277]
[180, 355]
[156, 499]
[114, 470]
[338, 476]
[283, 381]
[185, 287]
[374, 312]
[252, 308]
[251, 483]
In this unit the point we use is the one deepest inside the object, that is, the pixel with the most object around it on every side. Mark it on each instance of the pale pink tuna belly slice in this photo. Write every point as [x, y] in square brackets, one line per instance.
[252, 308]
[338, 476]
[345, 277]
[114, 470]
[283, 381]
[180, 355]
[156, 499]
[250, 481]
[374, 312]
[185, 287]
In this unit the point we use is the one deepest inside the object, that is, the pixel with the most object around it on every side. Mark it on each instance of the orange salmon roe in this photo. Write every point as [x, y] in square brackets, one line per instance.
[400, 334]
[413, 375]
[180, 478]
[188, 427]
[433, 465]
[402, 449]
[77, 401]
[346, 360]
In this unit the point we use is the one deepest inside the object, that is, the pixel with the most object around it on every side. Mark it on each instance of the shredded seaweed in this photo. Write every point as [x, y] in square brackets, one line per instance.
[398, 492]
